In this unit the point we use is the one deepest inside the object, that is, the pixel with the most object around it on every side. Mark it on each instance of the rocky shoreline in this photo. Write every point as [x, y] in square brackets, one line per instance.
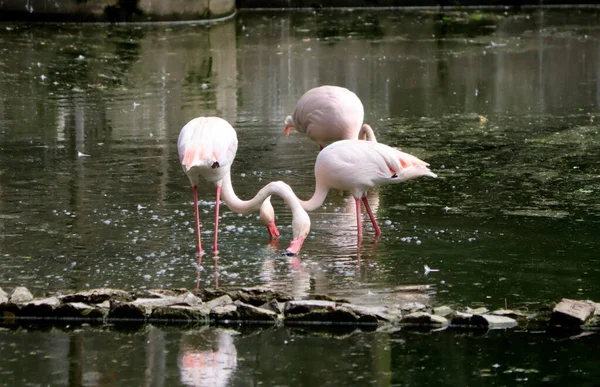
[264, 306]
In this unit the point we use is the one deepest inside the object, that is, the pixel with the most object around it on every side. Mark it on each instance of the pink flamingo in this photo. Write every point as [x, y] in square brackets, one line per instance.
[207, 148]
[330, 113]
[358, 166]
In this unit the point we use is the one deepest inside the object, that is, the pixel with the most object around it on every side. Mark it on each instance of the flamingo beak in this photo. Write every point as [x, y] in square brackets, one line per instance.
[287, 130]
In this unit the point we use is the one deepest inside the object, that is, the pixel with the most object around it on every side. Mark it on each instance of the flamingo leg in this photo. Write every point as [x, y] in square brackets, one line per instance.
[215, 249]
[373, 220]
[358, 222]
[197, 220]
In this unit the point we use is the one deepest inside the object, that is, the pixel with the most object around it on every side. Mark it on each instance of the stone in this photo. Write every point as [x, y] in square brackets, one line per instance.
[372, 314]
[180, 313]
[413, 307]
[104, 305]
[51, 301]
[219, 301]
[307, 306]
[424, 319]
[515, 314]
[129, 311]
[482, 320]
[480, 310]
[21, 295]
[97, 296]
[224, 312]
[3, 296]
[274, 306]
[259, 295]
[443, 311]
[499, 322]
[157, 302]
[329, 316]
[572, 312]
[78, 310]
[161, 293]
[253, 313]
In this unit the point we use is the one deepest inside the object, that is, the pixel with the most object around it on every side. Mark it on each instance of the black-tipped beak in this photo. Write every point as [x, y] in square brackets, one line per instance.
[288, 253]
[215, 165]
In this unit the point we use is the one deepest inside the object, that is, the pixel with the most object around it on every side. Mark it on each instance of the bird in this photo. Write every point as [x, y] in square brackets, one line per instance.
[330, 113]
[358, 166]
[207, 147]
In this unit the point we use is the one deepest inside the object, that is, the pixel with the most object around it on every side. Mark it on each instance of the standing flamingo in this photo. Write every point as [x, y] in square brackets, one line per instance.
[358, 166]
[207, 148]
[330, 113]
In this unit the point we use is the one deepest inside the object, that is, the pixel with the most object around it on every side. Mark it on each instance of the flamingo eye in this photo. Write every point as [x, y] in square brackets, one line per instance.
[395, 175]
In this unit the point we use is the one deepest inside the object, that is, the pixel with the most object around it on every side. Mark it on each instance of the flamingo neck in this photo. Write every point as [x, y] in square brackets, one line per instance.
[366, 133]
[300, 219]
[317, 199]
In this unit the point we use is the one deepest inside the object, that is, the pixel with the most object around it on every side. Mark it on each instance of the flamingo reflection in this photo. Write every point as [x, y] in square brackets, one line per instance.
[208, 357]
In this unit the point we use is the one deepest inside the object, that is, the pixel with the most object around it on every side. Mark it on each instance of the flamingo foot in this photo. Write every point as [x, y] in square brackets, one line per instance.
[295, 246]
[272, 229]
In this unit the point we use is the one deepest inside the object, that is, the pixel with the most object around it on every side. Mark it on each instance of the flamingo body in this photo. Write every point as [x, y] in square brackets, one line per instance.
[359, 166]
[329, 113]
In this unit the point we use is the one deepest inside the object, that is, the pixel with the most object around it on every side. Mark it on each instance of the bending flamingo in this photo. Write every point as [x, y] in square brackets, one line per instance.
[207, 148]
[330, 113]
[358, 166]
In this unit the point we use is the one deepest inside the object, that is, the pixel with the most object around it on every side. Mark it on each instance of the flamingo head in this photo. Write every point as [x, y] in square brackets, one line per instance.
[289, 124]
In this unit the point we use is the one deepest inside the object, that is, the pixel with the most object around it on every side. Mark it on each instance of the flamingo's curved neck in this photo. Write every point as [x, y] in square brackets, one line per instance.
[317, 199]
[300, 217]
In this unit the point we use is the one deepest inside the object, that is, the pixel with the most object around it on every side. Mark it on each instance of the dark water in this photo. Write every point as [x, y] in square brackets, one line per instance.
[513, 217]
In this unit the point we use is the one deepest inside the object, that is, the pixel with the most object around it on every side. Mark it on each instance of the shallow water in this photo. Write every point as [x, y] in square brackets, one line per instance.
[504, 106]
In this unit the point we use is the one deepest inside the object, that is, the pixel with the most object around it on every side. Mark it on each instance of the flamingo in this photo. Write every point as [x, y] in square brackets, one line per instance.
[358, 166]
[207, 148]
[329, 113]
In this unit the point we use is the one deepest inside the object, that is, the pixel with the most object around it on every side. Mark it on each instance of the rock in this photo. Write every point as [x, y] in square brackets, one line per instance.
[480, 310]
[307, 306]
[572, 312]
[104, 305]
[41, 308]
[482, 321]
[97, 296]
[499, 322]
[325, 297]
[210, 294]
[219, 301]
[157, 302]
[21, 295]
[443, 311]
[252, 313]
[51, 301]
[426, 319]
[318, 311]
[129, 312]
[514, 314]
[79, 309]
[3, 296]
[274, 306]
[161, 293]
[259, 295]
[180, 313]
[413, 307]
[372, 314]
[224, 312]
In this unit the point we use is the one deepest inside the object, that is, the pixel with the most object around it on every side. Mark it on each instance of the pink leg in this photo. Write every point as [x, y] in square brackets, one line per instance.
[215, 249]
[373, 220]
[197, 220]
[358, 220]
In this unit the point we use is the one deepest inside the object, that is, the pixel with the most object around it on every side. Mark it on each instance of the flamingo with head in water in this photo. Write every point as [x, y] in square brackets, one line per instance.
[330, 113]
[359, 166]
[207, 148]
